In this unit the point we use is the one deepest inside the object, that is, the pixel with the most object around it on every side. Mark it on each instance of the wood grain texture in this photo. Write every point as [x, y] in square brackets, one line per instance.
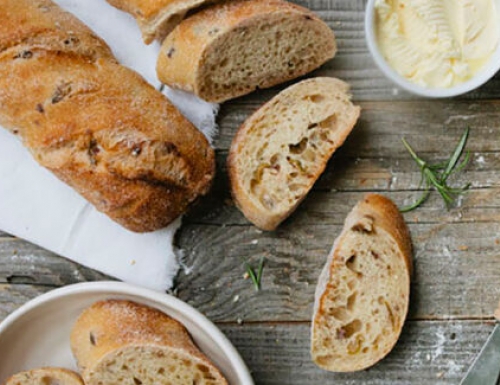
[457, 253]
[456, 270]
[437, 353]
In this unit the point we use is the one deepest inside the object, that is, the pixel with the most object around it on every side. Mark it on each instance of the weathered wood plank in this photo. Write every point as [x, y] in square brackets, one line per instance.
[437, 353]
[428, 125]
[331, 207]
[24, 263]
[457, 270]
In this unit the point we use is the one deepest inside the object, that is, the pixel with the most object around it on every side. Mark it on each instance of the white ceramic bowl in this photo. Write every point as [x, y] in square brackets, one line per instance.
[37, 334]
[478, 80]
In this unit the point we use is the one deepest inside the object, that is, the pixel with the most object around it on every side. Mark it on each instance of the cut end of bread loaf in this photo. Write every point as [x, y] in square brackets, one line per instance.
[280, 151]
[363, 293]
[120, 342]
[152, 365]
[247, 45]
[45, 376]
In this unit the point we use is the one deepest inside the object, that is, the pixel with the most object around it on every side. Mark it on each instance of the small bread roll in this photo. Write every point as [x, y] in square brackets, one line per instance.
[119, 342]
[45, 376]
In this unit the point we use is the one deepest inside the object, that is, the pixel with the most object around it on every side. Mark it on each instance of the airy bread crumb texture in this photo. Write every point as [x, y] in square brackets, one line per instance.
[45, 376]
[283, 148]
[362, 298]
[269, 51]
[120, 342]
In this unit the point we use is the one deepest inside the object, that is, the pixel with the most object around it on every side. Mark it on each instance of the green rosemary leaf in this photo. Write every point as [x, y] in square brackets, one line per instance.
[436, 175]
[456, 155]
[255, 277]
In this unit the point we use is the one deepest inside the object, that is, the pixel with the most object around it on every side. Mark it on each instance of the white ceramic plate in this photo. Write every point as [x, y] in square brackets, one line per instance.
[37, 334]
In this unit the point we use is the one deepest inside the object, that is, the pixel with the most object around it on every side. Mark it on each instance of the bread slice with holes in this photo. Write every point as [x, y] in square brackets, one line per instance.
[156, 18]
[282, 149]
[363, 292]
[117, 342]
[232, 48]
[45, 376]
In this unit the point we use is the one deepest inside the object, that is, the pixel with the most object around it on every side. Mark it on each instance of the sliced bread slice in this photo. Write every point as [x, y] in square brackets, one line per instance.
[157, 18]
[232, 48]
[363, 292]
[119, 342]
[45, 376]
[282, 149]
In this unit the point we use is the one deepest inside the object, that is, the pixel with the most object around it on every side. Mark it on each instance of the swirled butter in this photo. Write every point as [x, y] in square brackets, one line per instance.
[437, 43]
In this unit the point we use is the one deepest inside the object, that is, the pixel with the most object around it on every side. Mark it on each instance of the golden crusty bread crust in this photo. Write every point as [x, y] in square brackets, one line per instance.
[375, 215]
[44, 376]
[185, 53]
[97, 125]
[107, 329]
[157, 18]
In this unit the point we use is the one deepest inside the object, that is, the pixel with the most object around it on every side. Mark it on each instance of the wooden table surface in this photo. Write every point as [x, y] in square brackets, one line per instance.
[456, 253]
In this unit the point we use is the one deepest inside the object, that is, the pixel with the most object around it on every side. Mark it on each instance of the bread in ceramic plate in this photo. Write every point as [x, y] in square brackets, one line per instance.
[45, 376]
[156, 18]
[363, 292]
[97, 125]
[117, 342]
[232, 48]
[281, 150]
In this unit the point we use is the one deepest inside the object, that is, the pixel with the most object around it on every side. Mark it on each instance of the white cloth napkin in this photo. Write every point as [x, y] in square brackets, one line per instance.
[36, 206]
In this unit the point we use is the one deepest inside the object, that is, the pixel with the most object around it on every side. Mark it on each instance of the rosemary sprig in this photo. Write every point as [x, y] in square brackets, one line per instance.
[256, 277]
[436, 175]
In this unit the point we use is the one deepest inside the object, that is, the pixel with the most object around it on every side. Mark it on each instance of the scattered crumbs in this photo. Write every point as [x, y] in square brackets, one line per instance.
[133, 262]
[339, 23]
[239, 321]
[236, 298]
[258, 231]
[440, 375]
[254, 242]
[428, 357]
[480, 160]
[497, 241]
[463, 248]
[246, 276]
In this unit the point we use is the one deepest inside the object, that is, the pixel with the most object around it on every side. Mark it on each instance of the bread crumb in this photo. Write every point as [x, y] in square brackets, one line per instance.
[463, 248]
[133, 262]
[246, 276]
[254, 242]
[239, 321]
[440, 375]
[236, 298]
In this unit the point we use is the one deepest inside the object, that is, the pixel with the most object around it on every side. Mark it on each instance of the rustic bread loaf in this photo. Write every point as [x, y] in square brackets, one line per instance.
[156, 18]
[118, 342]
[282, 149]
[232, 48]
[96, 125]
[45, 376]
[363, 292]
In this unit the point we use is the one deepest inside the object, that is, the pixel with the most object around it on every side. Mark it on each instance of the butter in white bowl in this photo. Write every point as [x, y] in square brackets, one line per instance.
[448, 45]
